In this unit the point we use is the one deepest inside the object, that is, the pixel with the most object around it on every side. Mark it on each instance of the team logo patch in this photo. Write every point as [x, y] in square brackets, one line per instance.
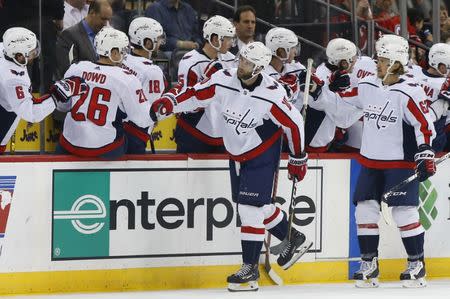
[380, 115]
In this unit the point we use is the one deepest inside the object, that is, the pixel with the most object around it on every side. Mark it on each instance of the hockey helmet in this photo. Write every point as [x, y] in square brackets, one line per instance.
[258, 54]
[339, 49]
[220, 26]
[439, 53]
[142, 28]
[18, 40]
[282, 38]
[395, 48]
[108, 39]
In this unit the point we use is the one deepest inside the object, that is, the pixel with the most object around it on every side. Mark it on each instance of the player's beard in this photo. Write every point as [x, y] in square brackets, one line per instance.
[243, 75]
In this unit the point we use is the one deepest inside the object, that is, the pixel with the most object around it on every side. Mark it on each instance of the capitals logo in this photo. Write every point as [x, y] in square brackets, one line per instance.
[380, 115]
[7, 184]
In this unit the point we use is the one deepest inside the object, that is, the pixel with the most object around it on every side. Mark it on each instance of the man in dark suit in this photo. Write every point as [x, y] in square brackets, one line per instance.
[244, 20]
[76, 43]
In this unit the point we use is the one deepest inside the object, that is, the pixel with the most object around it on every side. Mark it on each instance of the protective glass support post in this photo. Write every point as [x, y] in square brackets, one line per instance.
[370, 37]
[436, 21]
[355, 24]
[403, 19]
[140, 9]
[41, 84]
[328, 21]
[236, 4]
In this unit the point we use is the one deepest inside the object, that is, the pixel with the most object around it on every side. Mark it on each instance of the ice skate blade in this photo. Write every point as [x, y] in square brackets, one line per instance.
[367, 284]
[251, 286]
[301, 251]
[414, 283]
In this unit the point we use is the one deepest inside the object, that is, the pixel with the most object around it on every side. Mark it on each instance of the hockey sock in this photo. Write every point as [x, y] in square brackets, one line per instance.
[414, 247]
[251, 251]
[280, 230]
[368, 246]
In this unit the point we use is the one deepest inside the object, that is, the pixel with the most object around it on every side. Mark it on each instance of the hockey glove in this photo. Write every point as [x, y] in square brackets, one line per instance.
[64, 89]
[297, 167]
[444, 94]
[425, 165]
[315, 87]
[290, 84]
[339, 81]
[212, 68]
[162, 106]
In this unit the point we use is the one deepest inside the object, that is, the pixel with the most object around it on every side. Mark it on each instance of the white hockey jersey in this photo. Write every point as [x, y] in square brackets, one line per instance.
[251, 119]
[431, 85]
[364, 67]
[199, 123]
[322, 122]
[395, 122]
[150, 75]
[16, 101]
[94, 124]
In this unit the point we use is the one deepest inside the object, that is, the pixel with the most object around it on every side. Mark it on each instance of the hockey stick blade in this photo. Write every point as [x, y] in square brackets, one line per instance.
[385, 210]
[268, 267]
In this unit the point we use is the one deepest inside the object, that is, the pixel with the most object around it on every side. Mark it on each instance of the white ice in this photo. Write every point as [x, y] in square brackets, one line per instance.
[436, 289]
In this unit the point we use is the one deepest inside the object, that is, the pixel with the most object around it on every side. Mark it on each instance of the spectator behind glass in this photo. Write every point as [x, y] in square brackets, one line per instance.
[74, 12]
[180, 23]
[76, 43]
[122, 17]
[244, 20]
[416, 18]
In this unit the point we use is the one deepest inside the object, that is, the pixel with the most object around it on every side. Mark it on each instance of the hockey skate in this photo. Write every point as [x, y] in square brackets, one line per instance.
[289, 256]
[246, 279]
[414, 275]
[367, 275]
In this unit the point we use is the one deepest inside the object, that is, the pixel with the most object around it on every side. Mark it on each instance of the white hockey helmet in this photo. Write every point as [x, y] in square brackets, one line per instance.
[220, 26]
[18, 40]
[339, 49]
[258, 54]
[439, 53]
[142, 28]
[395, 48]
[108, 39]
[283, 38]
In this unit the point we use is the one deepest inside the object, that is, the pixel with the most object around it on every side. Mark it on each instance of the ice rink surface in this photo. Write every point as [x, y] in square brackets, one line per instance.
[435, 289]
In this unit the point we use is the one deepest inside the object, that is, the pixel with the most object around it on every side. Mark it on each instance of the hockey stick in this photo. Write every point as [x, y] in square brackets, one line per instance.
[385, 211]
[267, 266]
[305, 106]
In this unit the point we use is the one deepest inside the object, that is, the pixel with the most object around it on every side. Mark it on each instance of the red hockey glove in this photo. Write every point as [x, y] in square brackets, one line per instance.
[339, 81]
[444, 94]
[63, 89]
[297, 167]
[425, 165]
[212, 67]
[290, 83]
[162, 106]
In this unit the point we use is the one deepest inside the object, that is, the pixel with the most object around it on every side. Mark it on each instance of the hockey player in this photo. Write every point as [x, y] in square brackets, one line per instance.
[285, 46]
[395, 117]
[146, 35]
[431, 80]
[252, 110]
[194, 131]
[93, 128]
[16, 101]
[320, 130]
